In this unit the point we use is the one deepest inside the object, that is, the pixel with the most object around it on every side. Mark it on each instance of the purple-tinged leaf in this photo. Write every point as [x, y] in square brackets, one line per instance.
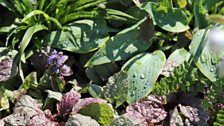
[25, 108]
[81, 120]
[195, 115]
[67, 102]
[27, 105]
[85, 102]
[41, 120]
[8, 69]
[149, 109]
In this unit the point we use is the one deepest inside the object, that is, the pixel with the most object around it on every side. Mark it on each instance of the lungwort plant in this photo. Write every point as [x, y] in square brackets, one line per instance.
[111, 62]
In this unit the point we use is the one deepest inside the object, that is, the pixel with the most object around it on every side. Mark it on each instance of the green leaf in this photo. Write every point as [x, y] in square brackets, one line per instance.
[8, 5]
[4, 101]
[80, 37]
[54, 95]
[143, 71]
[120, 47]
[102, 113]
[175, 59]
[27, 38]
[96, 91]
[210, 4]
[200, 14]
[116, 89]
[204, 59]
[100, 73]
[169, 19]
[30, 82]
[179, 56]
[46, 16]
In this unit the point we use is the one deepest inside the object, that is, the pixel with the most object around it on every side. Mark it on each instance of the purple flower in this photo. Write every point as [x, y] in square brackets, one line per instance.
[56, 61]
[56, 58]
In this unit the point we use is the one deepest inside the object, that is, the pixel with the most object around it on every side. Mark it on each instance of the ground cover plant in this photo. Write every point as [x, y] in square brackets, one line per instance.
[111, 62]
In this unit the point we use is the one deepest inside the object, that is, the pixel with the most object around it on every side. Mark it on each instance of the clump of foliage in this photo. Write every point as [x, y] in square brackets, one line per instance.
[111, 62]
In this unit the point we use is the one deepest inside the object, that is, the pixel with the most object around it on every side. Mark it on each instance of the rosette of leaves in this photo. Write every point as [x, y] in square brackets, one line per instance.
[27, 112]
[67, 102]
[147, 111]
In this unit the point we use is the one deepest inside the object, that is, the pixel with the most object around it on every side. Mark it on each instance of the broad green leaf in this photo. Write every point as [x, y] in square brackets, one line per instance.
[210, 4]
[204, 59]
[54, 95]
[100, 73]
[102, 113]
[30, 82]
[120, 47]
[174, 60]
[116, 89]
[169, 19]
[199, 14]
[27, 38]
[80, 37]
[143, 71]
[179, 56]
[96, 91]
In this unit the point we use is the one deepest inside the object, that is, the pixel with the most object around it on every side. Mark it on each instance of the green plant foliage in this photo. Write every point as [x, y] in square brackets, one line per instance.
[100, 73]
[179, 56]
[120, 47]
[100, 112]
[30, 82]
[219, 118]
[103, 62]
[204, 59]
[183, 79]
[116, 89]
[170, 19]
[143, 71]
[200, 14]
[81, 36]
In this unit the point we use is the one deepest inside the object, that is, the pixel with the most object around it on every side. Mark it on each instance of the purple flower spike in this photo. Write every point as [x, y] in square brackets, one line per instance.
[56, 61]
